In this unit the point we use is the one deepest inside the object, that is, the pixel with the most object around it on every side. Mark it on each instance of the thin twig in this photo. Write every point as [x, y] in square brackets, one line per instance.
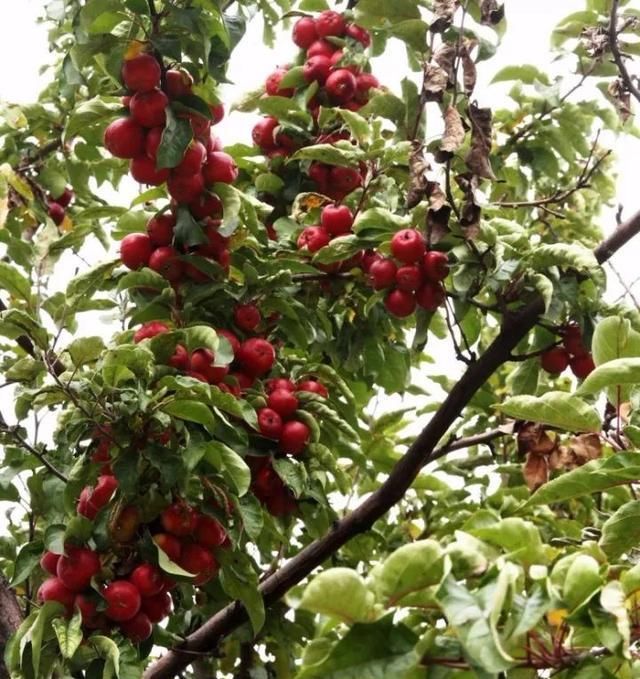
[615, 51]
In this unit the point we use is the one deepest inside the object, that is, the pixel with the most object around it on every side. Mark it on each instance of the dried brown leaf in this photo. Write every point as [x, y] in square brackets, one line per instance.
[469, 72]
[584, 448]
[435, 82]
[532, 438]
[535, 471]
[477, 159]
[595, 40]
[453, 131]
[418, 169]
[621, 98]
[445, 57]
[492, 13]
[444, 11]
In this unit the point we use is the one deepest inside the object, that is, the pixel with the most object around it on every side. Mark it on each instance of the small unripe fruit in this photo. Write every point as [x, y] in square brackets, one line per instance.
[124, 138]
[294, 437]
[148, 108]
[143, 169]
[123, 600]
[160, 229]
[330, 23]
[304, 32]
[269, 423]
[382, 273]
[408, 245]
[135, 250]
[435, 266]
[142, 73]
[554, 360]
[400, 303]
[166, 262]
[337, 219]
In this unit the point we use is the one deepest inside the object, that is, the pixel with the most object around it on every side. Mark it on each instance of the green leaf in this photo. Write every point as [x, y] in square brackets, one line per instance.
[42, 624]
[187, 231]
[581, 582]
[85, 350]
[176, 137]
[410, 568]
[251, 514]
[520, 538]
[614, 338]
[621, 532]
[108, 650]
[566, 255]
[69, 634]
[556, 409]
[527, 74]
[168, 566]
[338, 250]
[14, 282]
[340, 593]
[594, 477]
[27, 559]
[380, 650]
[89, 114]
[231, 205]
[192, 411]
[292, 473]
[619, 374]
[229, 464]
[239, 580]
[331, 154]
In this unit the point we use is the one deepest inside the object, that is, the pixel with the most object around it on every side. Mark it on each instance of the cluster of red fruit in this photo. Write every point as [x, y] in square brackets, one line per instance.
[414, 280]
[335, 220]
[155, 248]
[56, 205]
[269, 488]
[138, 137]
[572, 353]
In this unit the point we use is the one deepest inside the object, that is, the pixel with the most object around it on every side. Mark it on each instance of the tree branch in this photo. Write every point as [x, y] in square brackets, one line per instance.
[514, 328]
[9, 620]
[615, 52]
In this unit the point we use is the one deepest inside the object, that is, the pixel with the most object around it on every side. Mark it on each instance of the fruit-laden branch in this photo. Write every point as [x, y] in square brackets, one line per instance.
[514, 328]
[10, 619]
[615, 51]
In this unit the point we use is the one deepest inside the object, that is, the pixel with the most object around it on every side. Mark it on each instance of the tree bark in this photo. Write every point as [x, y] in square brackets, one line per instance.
[10, 619]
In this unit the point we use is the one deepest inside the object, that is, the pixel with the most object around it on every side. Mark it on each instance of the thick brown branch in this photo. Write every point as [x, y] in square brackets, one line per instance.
[515, 327]
[9, 620]
[615, 52]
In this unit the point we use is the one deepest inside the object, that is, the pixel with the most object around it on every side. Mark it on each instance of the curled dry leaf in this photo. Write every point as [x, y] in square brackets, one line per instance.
[469, 72]
[418, 169]
[444, 11]
[595, 40]
[621, 98]
[532, 438]
[491, 12]
[435, 82]
[453, 131]
[438, 214]
[585, 447]
[471, 211]
[477, 159]
[535, 471]
[445, 57]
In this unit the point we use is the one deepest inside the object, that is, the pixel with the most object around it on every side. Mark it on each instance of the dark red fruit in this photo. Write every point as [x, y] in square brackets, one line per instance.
[179, 519]
[53, 589]
[193, 160]
[360, 34]
[143, 170]
[430, 296]
[209, 532]
[220, 167]
[582, 366]
[124, 138]
[256, 356]
[400, 303]
[435, 266]
[382, 273]
[123, 600]
[409, 277]
[554, 360]
[148, 108]
[317, 69]
[185, 188]
[337, 219]
[49, 562]
[313, 238]
[365, 82]
[408, 245]
[294, 437]
[314, 387]
[84, 506]
[263, 133]
[269, 423]
[56, 212]
[279, 383]
[206, 205]
[304, 32]
[138, 629]
[160, 229]
[344, 179]
[152, 142]
[135, 250]
[341, 86]
[157, 607]
[283, 401]
[165, 261]
[572, 340]
[330, 23]
[247, 317]
[321, 48]
[125, 527]
[169, 544]
[217, 113]
[64, 198]
[142, 73]
[88, 608]
[272, 85]
[199, 561]
[320, 174]
[180, 358]
[105, 487]
[177, 83]
[147, 579]
[77, 566]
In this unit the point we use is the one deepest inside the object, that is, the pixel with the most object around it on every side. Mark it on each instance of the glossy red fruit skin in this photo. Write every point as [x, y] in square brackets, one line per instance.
[157, 607]
[409, 277]
[185, 188]
[124, 138]
[322, 48]
[53, 589]
[231, 338]
[247, 317]
[269, 423]
[360, 34]
[165, 261]
[198, 560]
[65, 197]
[319, 173]
[49, 562]
[283, 401]
[193, 159]
[573, 342]
[256, 356]
[369, 257]
[76, 568]
[138, 629]
[179, 519]
[84, 506]
[400, 303]
[382, 273]
[56, 212]
[147, 579]
[152, 142]
[435, 265]
[206, 205]
[200, 125]
[105, 487]
[201, 361]
[408, 245]
[313, 238]
[314, 387]
[279, 383]
[135, 250]
[555, 360]
[272, 84]
[148, 108]
[144, 171]
[582, 366]
[263, 133]
[220, 167]
[330, 23]
[160, 229]
[344, 179]
[169, 544]
[294, 437]
[304, 32]
[142, 73]
[337, 219]
[341, 85]
[88, 610]
[317, 68]
[177, 83]
[180, 358]
[149, 330]
[430, 296]
[217, 113]
[123, 600]
[209, 532]
[365, 82]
